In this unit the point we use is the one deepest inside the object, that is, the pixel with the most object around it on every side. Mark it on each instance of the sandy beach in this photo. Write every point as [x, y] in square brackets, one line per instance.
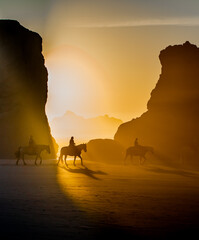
[96, 201]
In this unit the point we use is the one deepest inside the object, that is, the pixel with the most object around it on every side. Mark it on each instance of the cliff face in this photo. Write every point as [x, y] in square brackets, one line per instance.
[23, 92]
[171, 123]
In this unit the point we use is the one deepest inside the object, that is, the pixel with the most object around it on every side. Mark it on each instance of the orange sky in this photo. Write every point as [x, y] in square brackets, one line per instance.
[121, 64]
[118, 52]
[102, 56]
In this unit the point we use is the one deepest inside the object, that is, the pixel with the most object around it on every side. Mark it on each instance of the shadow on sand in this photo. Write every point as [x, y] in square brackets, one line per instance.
[84, 170]
[29, 163]
[180, 172]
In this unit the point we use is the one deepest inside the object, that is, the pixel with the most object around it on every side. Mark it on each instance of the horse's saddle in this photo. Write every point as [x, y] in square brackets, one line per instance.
[71, 149]
[138, 148]
[32, 149]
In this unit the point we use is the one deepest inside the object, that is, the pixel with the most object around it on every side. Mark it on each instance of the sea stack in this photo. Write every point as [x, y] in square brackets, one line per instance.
[23, 92]
[171, 123]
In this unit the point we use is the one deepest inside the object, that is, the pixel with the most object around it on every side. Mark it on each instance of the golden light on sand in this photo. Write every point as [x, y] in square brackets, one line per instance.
[76, 188]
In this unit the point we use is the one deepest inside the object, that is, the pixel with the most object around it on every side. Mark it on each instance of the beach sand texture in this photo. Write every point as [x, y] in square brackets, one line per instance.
[96, 201]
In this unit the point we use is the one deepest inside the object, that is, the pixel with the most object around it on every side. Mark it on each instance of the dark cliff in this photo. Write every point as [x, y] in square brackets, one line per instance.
[171, 123]
[23, 92]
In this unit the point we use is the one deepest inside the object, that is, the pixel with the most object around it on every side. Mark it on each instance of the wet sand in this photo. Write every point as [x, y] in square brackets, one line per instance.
[96, 201]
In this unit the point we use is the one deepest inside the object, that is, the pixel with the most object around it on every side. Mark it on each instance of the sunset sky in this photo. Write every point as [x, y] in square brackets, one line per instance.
[102, 55]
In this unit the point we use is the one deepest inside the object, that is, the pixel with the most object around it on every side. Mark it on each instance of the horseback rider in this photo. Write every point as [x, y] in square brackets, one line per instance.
[32, 143]
[136, 143]
[72, 144]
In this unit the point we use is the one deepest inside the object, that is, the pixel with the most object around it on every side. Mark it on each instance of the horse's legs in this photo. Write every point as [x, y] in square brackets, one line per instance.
[144, 159]
[23, 160]
[36, 159]
[125, 158]
[17, 161]
[65, 160]
[18, 158]
[40, 160]
[58, 161]
[60, 158]
[81, 160]
[74, 160]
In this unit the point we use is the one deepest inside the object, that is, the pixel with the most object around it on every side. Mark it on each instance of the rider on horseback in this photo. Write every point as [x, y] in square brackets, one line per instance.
[32, 143]
[136, 143]
[72, 144]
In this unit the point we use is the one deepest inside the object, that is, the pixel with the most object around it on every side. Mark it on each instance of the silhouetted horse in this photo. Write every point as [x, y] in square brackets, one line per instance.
[74, 151]
[33, 150]
[138, 151]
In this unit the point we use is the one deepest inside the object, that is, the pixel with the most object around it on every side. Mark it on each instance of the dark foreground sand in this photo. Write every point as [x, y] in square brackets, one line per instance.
[128, 202]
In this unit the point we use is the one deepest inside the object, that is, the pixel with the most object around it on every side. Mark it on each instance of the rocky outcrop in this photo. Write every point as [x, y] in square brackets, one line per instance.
[23, 92]
[104, 150]
[171, 123]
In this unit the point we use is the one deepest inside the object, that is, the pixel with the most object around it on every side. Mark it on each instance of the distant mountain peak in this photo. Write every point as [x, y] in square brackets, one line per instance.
[70, 113]
[95, 127]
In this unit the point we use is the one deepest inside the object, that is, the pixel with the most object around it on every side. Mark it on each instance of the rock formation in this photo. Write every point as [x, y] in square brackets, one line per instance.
[171, 123]
[104, 150]
[23, 92]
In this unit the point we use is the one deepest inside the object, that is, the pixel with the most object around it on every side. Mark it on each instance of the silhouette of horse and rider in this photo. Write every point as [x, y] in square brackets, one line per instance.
[137, 150]
[75, 150]
[72, 150]
[31, 149]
